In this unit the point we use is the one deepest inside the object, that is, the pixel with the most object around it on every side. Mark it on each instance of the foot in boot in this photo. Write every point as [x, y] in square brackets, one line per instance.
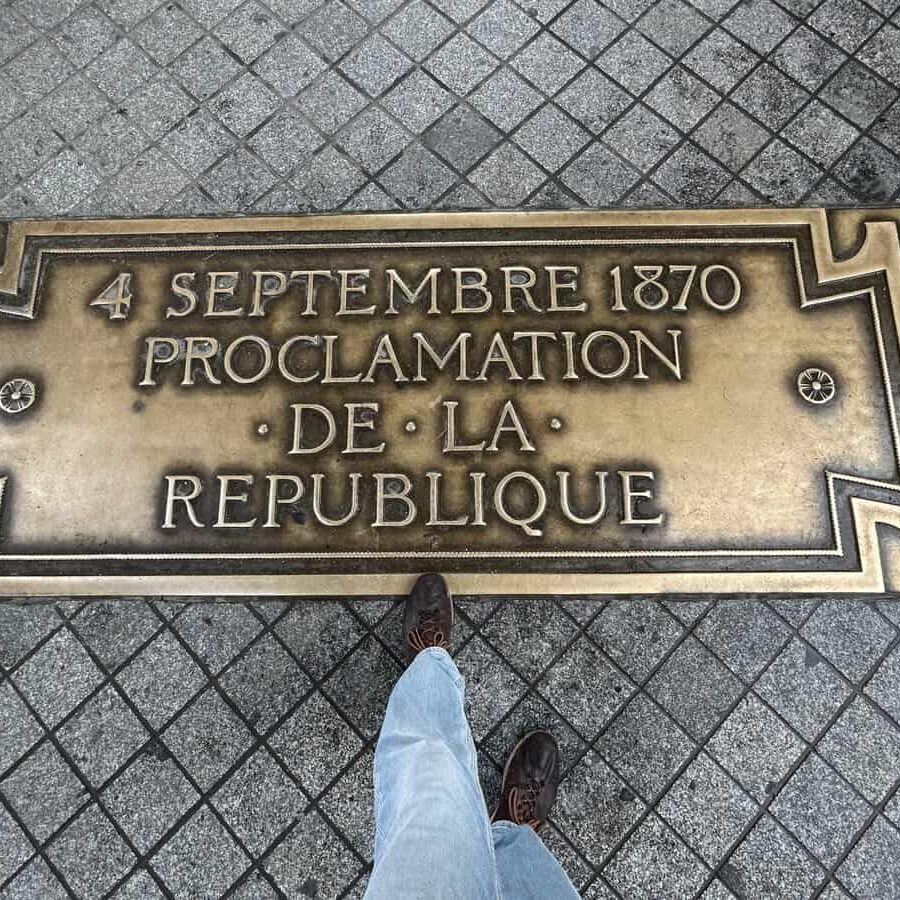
[529, 781]
[428, 617]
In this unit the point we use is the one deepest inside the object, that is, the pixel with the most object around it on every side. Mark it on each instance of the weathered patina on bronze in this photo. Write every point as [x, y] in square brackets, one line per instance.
[532, 402]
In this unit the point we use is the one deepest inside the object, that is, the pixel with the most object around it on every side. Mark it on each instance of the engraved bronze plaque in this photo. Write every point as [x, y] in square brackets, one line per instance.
[530, 402]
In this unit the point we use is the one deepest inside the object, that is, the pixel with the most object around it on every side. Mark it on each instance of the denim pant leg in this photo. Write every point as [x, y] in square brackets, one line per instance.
[526, 868]
[432, 834]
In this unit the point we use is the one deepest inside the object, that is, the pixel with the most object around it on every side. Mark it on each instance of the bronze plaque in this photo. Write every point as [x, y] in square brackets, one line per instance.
[618, 402]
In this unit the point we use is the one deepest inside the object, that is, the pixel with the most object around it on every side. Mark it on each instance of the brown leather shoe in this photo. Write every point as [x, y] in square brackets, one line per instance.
[530, 780]
[428, 617]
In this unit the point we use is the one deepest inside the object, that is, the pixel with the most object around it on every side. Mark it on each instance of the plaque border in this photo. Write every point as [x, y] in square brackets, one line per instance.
[878, 252]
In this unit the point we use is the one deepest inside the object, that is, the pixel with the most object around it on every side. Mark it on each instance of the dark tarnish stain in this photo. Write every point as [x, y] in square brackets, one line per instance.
[812, 658]
[310, 888]
[733, 880]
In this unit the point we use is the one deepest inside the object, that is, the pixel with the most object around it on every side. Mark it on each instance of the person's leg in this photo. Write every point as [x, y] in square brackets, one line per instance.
[525, 867]
[432, 834]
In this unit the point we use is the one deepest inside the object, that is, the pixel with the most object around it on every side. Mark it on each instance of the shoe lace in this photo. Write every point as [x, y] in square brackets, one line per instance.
[429, 632]
[523, 804]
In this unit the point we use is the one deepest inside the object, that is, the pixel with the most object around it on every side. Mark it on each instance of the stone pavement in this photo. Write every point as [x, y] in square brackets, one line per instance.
[738, 749]
[744, 748]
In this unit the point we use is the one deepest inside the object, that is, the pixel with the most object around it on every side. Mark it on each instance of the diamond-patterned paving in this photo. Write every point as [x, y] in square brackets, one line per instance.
[225, 748]
[123, 107]
[734, 749]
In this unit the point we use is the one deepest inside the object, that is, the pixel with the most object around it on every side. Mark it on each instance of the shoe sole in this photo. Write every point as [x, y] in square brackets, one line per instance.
[509, 759]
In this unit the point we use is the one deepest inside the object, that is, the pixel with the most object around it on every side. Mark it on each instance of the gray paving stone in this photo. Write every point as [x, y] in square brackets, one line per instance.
[769, 96]
[202, 859]
[634, 62]
[846, 22]
[636, 634]
[149, 796]
[418, 101]
[744, 634]
[475, 136]
[707, 808]
[641, 136]
[22, 626]
[730, 136]
[206, 68]
[551, 137]
[417, 29]
[90, 854]
[43, 791]
[598, 177]
[259, 801]
[645, 746]
[120, 69]
[803, 688]
[872, 869]
[870, 171]
[654, 860]
[771, 864]
[102, 735]
[491, 686]
[829, 625]
[362, 685]
[327, 181]
[721, 60]
[884, 686]
[207, 738]
[373, 138]
[507, 176]
[563, 683]
[16, 847]
[34, 880]
[695, 688]
[161, 679]
[318, 634]
[505, 99]
[755, 747]
[864, 746]
[691, 172]
[139, 886]
[254, 887]
[348, 803]
[18, 726]
[820, 133]
[312, 861]
[265, 683]
[805, 807]
[114, 629]
[882, 52]
[780, 172]
[547, 63]
[58, 676]
[316, 744]
[595, 808]
[593, 100]
[808, 58]
[16, 34]
[681, 98]
[538, 630]
[249, 31]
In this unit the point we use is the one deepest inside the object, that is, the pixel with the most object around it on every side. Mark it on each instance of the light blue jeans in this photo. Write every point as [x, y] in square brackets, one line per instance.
[433, 838]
